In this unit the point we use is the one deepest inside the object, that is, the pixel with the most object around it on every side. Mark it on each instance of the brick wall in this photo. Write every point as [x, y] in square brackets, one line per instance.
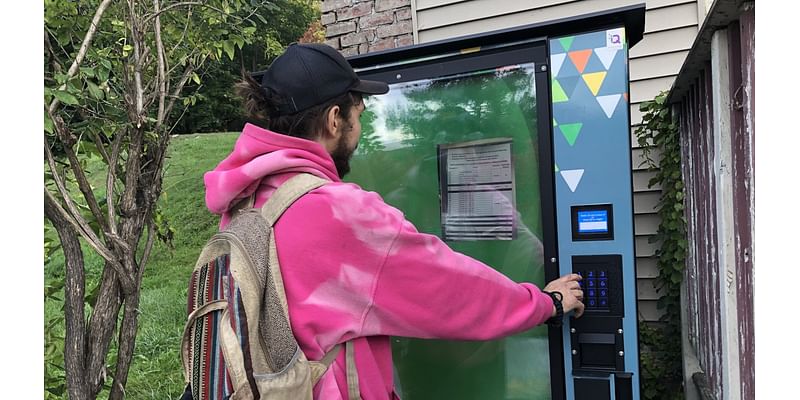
[363, 26]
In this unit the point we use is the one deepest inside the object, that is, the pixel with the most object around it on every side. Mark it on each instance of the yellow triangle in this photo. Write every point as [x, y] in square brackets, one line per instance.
[594, 81]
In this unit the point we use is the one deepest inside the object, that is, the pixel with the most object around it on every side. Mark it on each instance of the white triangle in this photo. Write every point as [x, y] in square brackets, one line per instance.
[556, 61]
[606, 55]
[609, 103]
[572, 177]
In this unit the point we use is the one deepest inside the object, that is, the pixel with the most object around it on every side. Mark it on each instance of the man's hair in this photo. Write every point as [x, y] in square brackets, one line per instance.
[261, 108]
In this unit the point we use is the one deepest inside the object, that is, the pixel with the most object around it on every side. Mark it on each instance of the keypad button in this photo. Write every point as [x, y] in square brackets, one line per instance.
[603, 302]
[603, 292]
[601, 274]
[592, 303]
[590, 274]
[591, 293]
[603, 283]
[591, 283]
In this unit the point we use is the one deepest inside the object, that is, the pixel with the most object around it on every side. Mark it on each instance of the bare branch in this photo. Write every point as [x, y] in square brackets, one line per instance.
[188, 3]
[73, 216]
[137, 66]
[125, 280]
[87, 41]
[51, 53]
[179, 87]
[110, 179]
[162, 78]
[77, 170]
[147, 248]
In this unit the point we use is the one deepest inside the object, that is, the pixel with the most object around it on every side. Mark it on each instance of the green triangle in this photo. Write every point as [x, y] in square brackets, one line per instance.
[555, 124]
[558, 93]
[566, 42]
[571, 132]
[556, 167]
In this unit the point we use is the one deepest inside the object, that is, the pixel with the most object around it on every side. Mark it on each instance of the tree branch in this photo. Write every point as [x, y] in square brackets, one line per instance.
[87, 41]
[125, 279]
[179, 87]
[77, 170]
[188, 3]
[75, 334]
[161, 77]
[137, 66]
[110, 179]
[147, 248]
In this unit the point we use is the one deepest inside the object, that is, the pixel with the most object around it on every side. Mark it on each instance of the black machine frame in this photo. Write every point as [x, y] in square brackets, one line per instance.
[525, 44]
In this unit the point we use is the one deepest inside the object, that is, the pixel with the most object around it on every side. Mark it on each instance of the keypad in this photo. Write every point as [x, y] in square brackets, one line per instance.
[595, 290]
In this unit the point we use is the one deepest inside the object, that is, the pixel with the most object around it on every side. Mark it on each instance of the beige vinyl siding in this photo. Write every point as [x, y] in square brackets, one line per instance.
[670, 30]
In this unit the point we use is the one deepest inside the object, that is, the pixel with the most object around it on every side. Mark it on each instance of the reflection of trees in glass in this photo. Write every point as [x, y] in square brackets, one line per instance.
[369, 142]
[487, 104]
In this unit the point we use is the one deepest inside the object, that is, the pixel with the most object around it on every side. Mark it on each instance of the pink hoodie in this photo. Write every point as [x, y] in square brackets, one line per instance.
[354, 268]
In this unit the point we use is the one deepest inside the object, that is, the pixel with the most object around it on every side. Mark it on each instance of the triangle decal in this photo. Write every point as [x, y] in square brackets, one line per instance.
[609, 103]
[594, 80]
[606, 55]
[556, 61]
[555, 123]
[566, 42]
[558, 93]
[580, 58]
[568, 84]
[556, 165]
[572, 177]
[571, 132]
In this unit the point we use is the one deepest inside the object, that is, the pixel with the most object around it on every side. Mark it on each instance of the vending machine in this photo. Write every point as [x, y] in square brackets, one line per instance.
[514, 148]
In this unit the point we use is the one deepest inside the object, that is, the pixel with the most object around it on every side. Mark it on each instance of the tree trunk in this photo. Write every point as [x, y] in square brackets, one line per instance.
[127, 342]
[101, 329]
[75, 338]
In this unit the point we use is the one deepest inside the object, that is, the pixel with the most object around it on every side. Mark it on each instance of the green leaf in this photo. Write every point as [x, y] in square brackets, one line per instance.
[66, 97]
[87, 72]
[227, 45]
[48, 123]
[94, 90]
[196, 78]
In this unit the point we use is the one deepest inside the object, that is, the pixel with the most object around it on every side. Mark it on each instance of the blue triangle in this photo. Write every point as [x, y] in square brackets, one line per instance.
[568, 69]
[614, 82]
[594, 64]
[556, 47]
[568, 84]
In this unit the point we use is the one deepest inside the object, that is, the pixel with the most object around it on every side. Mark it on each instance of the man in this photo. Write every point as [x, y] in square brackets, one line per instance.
[353, 267]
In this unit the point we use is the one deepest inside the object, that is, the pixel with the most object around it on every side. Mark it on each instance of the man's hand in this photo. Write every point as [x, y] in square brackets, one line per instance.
[571, 292]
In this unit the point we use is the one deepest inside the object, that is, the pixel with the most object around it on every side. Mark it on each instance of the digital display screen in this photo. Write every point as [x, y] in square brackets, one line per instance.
[593, 221]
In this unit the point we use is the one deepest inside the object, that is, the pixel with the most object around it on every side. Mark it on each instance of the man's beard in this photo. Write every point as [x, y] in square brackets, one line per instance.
[341, 155]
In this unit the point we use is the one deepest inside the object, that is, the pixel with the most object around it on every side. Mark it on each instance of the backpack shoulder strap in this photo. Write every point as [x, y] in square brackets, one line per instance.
[288, 193]
[285, 196]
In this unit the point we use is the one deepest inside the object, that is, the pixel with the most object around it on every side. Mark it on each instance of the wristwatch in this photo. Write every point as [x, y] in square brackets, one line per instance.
[556, 320]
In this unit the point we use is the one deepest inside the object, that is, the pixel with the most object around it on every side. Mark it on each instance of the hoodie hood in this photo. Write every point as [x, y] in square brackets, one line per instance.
[263, 157]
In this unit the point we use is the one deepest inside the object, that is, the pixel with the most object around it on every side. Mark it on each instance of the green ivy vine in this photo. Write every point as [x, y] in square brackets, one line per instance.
[661, 355]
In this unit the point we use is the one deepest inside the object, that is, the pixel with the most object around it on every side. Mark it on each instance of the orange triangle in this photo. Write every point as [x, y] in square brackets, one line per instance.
[580, 58]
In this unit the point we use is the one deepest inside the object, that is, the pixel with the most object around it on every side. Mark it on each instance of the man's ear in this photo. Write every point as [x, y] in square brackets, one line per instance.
[332, 122]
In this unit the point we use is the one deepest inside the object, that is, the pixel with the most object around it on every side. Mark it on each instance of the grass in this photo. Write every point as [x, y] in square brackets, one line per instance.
[156, 369]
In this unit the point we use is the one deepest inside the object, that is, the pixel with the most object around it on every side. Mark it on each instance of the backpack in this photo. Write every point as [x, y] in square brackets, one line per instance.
[238, 342]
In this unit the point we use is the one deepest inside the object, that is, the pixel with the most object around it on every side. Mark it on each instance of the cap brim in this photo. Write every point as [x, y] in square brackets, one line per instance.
[371, 87]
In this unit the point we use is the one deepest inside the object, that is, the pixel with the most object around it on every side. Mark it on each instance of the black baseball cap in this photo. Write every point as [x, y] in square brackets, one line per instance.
[308, 74]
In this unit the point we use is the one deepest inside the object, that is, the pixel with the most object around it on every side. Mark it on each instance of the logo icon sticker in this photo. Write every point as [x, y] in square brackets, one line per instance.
[615, 38]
